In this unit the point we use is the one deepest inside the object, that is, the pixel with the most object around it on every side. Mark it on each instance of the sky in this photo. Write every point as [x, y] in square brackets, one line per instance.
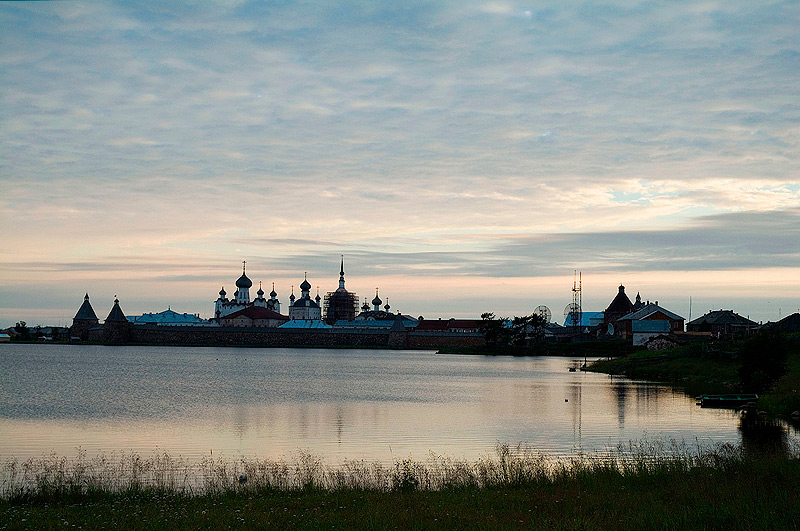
[464, 156]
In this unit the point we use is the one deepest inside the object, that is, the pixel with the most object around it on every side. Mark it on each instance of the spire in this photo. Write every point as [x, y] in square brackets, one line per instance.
[341, 275]
[272, 293]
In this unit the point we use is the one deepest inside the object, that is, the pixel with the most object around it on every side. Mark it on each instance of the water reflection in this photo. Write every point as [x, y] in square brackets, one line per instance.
[340, 404]
[763, 435]
[620, 390]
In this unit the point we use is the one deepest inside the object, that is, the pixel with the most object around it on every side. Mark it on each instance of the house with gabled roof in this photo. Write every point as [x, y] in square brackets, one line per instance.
[649, 312]
[722, 323]
[790, 323]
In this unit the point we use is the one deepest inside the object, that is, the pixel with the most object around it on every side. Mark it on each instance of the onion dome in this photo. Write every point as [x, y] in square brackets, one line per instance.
[243, 281]
[305, 286]
[387, 305]
[376, 301]
[317, 298]
[292, 297]
[222, 293]
[260, 291]
[272, 293]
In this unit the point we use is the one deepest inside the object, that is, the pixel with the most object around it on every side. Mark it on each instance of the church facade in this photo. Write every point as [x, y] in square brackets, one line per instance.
[241, 298]
[305, 308]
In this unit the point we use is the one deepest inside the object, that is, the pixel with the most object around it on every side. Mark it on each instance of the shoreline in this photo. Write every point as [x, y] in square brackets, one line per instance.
[698, 369]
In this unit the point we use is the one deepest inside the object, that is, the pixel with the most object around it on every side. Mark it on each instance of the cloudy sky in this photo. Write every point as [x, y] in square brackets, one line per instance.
[463, 156]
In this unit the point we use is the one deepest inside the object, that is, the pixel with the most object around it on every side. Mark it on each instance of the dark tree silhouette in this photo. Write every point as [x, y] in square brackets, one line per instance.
[22, 329]
[495, 330]
[763, 360]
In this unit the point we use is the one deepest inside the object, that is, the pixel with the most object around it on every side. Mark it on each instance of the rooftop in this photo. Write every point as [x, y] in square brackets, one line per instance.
[649, 309]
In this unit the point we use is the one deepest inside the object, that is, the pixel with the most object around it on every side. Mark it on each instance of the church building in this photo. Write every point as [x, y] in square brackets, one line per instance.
[305, 308]
[340, 305]
[241, 298]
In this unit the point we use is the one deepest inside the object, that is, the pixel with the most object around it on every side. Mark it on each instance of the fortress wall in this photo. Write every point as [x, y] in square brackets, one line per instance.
[276, 337]
[444, 339]
[262, 337]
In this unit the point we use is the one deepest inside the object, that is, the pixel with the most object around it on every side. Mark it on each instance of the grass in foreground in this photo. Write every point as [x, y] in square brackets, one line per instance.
[643, 487]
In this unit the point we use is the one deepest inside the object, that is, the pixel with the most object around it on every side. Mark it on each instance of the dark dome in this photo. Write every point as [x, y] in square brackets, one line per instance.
[305, 286]
[260, 292]
[244, 282]
[222, 292]
[272, 293]
[376, 301]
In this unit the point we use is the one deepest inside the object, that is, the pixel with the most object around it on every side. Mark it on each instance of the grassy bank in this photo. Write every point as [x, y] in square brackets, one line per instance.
[712, 368]
[643, 487]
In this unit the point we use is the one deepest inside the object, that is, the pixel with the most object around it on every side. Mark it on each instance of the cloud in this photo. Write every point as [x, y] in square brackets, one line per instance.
[203, 133]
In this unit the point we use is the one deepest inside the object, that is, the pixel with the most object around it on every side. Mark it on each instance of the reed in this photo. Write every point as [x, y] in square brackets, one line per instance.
[642, 485]
[56, 477]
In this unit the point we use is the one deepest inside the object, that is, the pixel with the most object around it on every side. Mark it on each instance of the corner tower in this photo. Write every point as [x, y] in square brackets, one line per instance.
[83, 320]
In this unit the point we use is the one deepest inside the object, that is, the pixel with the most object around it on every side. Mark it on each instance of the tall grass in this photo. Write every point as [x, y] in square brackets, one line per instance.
[54, 477]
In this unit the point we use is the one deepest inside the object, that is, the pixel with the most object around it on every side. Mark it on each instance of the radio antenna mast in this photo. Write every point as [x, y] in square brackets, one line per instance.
[577, 302]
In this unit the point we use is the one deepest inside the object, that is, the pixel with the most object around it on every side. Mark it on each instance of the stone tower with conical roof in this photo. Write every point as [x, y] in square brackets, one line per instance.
[621, 305]
[116, 328]
[83, 320]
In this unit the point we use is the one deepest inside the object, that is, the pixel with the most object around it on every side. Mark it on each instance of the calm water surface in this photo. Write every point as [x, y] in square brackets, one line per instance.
[371, 404]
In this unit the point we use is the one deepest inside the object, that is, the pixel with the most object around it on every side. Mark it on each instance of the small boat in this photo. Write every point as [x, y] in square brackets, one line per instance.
[572, 369]
[724, 401]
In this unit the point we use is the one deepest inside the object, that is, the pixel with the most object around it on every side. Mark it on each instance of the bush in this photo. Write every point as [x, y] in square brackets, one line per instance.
[763, 360]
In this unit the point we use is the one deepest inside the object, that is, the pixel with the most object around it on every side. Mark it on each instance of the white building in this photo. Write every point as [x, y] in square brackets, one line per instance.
[305, 308]
[169, 318]
[241, 298]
